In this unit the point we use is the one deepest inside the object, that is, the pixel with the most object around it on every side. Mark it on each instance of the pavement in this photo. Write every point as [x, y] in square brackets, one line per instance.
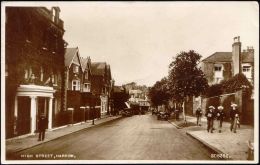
[18, 144]
[227, 145]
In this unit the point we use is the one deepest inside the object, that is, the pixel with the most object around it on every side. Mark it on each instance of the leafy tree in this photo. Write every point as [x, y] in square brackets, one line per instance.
[214, 90]
[238, 82]
[185, 78]
[159, 92]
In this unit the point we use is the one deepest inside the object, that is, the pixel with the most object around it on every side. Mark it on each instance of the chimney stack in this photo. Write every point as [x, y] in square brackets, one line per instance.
[236, 55]
[250, 49]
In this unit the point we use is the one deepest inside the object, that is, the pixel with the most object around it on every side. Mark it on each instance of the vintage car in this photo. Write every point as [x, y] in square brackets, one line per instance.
[154, 112]
[163, 116]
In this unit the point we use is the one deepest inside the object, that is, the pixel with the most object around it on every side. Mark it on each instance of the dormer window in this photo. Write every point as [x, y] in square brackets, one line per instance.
[246, 68]
[218, 68]
[75, 69]
[247, 71]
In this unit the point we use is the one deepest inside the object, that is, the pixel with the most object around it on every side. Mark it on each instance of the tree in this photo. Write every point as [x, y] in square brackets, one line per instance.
[185, 78]
[159, 92]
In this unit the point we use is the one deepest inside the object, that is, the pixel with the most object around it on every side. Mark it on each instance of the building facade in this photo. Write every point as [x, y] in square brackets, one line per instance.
[223, 65]
[74, 74]
[34, 67]
[101, 85]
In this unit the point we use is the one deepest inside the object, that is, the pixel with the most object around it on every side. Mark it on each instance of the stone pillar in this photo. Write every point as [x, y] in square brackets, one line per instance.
[33, 114]
[15, 114]
[50, 113]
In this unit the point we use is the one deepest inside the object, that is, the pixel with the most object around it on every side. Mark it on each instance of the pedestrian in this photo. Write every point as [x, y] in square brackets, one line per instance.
[220, 117]
[42, 125]
[198, 115]
[210, 117]
[234, 117]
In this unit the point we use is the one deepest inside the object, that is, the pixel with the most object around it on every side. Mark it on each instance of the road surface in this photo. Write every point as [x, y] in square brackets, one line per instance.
[139, 137]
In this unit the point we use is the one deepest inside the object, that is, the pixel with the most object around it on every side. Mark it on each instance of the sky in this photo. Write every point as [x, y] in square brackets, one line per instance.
[140, 39]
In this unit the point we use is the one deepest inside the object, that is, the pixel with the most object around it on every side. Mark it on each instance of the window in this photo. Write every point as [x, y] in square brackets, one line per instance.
[246, 68]
[75, 69]
[247, 71]
[41, 74]
[27, 73]
[54, 78]
[218, 74]
[75, 85]
[86, 75]
[86, 87]
[218, 68]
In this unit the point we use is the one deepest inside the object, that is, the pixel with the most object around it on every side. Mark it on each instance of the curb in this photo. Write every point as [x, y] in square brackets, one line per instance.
[91, 126]
[178, 127]
[207, 145]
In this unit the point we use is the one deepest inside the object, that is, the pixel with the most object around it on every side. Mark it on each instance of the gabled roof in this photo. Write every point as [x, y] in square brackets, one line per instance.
[84, 62]
[70, 54]
[98, 68]
[227, 57]
[219, 57]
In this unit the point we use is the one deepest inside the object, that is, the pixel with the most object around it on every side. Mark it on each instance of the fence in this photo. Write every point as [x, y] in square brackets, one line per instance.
[241, 98]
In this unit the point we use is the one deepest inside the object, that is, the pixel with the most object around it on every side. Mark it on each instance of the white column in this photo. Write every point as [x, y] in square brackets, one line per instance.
[33, 114]
[15, 114]
[50, 113]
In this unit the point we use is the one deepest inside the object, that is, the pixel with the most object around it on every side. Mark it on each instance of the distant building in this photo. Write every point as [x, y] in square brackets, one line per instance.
[223, 65]
[138, 96]
[34, 68]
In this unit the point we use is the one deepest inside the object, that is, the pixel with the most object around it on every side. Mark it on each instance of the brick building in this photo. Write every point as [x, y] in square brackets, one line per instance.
[101, 85]
[34, 50]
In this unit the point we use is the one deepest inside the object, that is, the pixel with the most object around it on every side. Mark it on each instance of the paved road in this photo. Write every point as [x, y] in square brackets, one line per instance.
[140, 137]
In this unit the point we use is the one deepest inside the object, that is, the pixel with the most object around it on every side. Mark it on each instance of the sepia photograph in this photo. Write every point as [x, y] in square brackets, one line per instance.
[126, 82]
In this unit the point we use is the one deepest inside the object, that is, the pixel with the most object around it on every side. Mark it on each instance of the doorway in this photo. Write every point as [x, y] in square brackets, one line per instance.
[23, 115]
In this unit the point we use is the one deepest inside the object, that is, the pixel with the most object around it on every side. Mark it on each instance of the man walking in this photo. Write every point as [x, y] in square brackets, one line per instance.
[198, 115]
[42, 125]
[220, 117]
[210, 117]
[234, 117]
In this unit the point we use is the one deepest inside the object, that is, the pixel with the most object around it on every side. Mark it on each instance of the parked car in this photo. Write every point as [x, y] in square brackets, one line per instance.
[154, 112]
[163, 116]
